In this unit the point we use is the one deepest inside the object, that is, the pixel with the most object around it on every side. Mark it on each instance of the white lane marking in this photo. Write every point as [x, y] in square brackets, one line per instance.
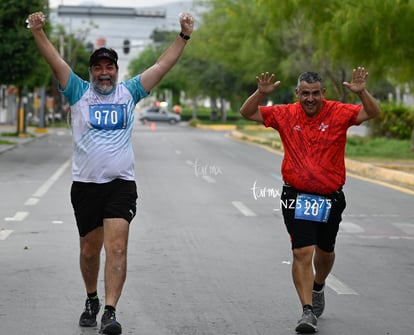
[5, 234]
[243, 208]
[405, 227]
[350, 227]
[393, 237]
[19, 216]
[372, 215]
[57, 222]
[41, 191]
[338, 286]
[335, 284]
[31, 201]
[209, 179]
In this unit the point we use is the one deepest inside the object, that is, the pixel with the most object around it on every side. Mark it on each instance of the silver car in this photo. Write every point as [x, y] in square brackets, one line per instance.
[156, 113]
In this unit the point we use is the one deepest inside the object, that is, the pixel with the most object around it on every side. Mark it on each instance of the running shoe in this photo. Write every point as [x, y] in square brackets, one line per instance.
[88, 317]
[318, 302]
[307, 324]
[109, 325]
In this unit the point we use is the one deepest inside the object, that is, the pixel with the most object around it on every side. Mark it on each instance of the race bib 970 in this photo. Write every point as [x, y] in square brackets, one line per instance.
[108, 117]
[312, 207]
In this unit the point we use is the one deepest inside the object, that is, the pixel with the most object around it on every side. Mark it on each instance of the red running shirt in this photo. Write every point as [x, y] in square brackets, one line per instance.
[314, 148]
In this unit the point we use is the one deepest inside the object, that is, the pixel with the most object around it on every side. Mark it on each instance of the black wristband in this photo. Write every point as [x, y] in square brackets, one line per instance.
[184, 37]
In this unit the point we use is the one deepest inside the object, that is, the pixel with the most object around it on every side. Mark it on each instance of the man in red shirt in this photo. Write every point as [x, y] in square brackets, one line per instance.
[313, 132]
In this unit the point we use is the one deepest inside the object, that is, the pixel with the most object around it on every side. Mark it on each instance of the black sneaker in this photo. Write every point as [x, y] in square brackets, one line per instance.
[318, 302]
[88, 317]
[307, 324]
[109, 325]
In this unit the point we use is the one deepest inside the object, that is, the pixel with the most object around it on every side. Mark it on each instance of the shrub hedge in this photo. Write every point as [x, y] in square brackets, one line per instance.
[395, 121]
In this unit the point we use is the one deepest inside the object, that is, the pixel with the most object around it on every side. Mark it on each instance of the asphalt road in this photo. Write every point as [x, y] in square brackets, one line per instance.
[208, 251]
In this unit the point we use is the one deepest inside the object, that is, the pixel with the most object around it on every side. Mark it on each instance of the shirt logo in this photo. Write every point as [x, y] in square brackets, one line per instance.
[323, 127]
[297, 128]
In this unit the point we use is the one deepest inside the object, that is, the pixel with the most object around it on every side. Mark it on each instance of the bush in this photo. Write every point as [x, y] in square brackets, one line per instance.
[395, 121]
[204, 115]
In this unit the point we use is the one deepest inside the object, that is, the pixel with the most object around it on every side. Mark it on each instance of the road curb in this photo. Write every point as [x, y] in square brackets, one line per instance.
[371, 171]
[19, 141]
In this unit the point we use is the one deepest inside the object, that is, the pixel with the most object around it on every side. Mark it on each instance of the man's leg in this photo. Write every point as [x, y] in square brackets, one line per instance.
[323, 262]
[116, 243]
[303, 277]
[302, 273]
[90, 252]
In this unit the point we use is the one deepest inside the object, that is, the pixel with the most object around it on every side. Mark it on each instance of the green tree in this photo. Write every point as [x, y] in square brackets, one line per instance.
[232, 33]
[376, 34]
[292, 36]
[75, 52]
[173, 80]
[21, 65]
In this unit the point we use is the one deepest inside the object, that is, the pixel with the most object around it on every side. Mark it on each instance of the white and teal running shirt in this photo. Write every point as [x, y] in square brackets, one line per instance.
[102, 128]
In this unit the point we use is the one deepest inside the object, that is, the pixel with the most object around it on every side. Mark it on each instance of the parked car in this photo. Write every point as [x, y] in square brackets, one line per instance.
[156, 113]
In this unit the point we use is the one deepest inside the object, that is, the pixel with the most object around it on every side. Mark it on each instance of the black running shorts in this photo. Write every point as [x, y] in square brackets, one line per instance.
[94, 202]
[304, 232]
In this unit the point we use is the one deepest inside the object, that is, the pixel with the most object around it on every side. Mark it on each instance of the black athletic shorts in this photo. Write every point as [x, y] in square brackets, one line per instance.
[304, 232]
[94, 202]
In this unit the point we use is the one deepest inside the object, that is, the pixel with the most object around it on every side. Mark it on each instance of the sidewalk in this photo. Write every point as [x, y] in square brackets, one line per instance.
[15, 141]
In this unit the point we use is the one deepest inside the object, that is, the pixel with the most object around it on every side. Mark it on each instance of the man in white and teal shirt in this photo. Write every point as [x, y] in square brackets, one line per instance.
[103, 192]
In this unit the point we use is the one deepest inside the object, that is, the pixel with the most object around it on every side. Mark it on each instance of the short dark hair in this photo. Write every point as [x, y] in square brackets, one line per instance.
[103, 53]
[310, 77]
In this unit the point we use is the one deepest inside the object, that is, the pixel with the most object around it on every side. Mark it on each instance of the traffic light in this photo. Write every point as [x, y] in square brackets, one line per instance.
[127, 45]
[89, 47]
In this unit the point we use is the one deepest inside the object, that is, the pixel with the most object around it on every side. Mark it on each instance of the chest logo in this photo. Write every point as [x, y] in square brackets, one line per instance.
[323, 127]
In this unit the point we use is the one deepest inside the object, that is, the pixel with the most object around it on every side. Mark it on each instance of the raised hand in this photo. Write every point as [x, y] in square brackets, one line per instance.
[359, 78]
[36, 21]
[266, 83]
[187, 23]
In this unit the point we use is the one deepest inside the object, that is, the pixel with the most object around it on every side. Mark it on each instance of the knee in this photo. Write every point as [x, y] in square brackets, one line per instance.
[115, 249]
[324, 256]
[91, 245]
[90, 250]
[303, 255]
[87, 253]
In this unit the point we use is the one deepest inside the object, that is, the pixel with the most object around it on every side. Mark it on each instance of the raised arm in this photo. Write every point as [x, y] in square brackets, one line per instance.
[60, 68]
[370, 107]
[265, 85]
[153, 75]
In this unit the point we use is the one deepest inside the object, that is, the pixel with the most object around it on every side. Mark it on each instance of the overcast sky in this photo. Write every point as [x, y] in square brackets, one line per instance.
[113, 3]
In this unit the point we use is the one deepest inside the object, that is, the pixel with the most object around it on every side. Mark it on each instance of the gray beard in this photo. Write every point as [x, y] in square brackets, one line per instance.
[103, 89]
